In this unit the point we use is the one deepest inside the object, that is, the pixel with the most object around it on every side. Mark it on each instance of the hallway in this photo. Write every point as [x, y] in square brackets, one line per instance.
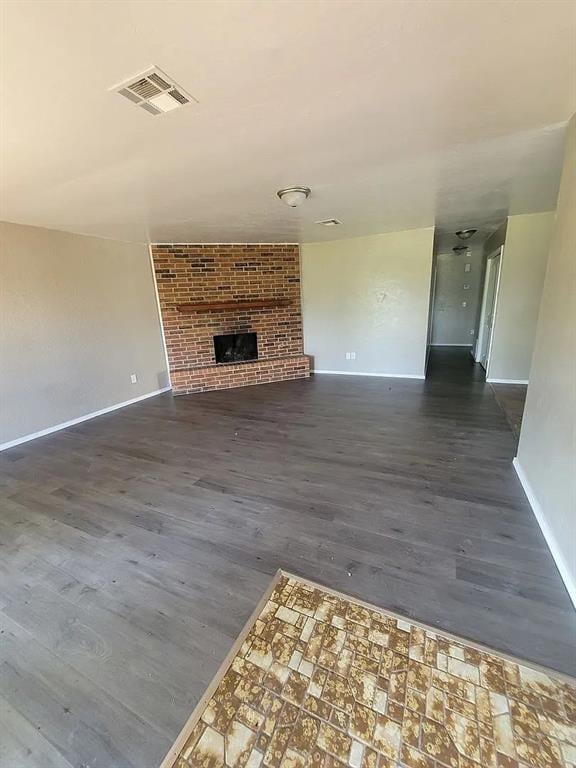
[455, 366]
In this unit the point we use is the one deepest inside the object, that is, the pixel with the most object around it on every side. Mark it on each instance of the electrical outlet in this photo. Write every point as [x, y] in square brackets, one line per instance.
[472, 331]
[133, 378]
[464, 303]
[350, 355]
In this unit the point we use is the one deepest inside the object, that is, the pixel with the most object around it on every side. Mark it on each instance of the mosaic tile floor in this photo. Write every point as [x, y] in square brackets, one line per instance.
[321, 681]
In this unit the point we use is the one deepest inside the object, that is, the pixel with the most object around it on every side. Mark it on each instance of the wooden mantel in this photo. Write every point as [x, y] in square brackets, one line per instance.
[216, 306]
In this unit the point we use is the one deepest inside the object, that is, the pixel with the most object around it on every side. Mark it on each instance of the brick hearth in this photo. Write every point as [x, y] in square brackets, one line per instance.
[189, 274]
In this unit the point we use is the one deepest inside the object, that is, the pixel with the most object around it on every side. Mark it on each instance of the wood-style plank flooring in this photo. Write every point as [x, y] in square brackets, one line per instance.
[512, 398]
[134, 547]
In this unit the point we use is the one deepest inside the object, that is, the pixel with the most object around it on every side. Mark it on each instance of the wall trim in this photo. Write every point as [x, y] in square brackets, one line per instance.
[380, 375]
[507, 381]
[466, 346]
[547, 532]
[86, 417]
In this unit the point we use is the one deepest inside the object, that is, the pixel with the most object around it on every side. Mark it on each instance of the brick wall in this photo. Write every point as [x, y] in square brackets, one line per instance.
[215, 272]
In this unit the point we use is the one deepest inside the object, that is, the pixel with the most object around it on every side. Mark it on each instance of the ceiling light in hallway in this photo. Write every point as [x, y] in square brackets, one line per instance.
[466, 234]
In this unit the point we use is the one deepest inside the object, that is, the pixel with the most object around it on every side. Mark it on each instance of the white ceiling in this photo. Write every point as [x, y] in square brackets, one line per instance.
[397, 115]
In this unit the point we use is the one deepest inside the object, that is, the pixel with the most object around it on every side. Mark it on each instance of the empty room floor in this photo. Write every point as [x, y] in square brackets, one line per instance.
[512, 398]
[134, 547]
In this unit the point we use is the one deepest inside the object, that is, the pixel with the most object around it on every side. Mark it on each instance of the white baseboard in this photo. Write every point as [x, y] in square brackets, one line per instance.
[507, 381]
[561, 563]
[379, 375]
[452, 345]
[72, 422]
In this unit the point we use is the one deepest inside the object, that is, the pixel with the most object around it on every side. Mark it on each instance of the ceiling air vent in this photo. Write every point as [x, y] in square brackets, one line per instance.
[153, 91]
[159, 81]
[150, 108]
[178, 96]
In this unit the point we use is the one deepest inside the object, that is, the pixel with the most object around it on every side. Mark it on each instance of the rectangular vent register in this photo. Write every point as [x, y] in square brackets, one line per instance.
[154, 91]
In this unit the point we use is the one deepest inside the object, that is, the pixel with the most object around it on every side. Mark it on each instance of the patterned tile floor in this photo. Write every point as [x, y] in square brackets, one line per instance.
[321, 681]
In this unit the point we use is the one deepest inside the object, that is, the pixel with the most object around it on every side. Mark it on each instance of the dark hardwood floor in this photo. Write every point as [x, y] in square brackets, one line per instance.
[512, 398]
[134, 547]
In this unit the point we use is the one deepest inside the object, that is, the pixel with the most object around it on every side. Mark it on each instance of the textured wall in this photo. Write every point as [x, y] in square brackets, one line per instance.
[546, 451]
[368, 295]
[229, 272]
[78, 316]
[522, 273]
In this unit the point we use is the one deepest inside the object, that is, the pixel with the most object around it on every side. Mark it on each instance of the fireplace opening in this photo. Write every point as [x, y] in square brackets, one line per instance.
[235, 347]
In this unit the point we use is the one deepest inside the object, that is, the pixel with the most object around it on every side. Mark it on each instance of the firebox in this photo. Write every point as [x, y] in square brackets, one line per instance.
[235, 347]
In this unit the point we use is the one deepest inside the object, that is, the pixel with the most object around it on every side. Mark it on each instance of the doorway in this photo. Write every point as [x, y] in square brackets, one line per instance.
[488, 308]
[455, 295]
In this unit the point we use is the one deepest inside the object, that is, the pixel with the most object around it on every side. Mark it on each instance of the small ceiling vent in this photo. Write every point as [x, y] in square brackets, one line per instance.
[153, 91]
[329, 222]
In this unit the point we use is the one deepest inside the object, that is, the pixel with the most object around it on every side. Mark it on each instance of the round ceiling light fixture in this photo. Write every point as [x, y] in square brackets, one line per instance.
[293, 196]
[466, 234]
[459, 248]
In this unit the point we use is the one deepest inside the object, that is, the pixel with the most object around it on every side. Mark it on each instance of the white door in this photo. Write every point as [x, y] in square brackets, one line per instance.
[488, 309]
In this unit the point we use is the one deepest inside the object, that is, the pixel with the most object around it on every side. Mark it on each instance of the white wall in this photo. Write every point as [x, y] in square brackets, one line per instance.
[370, 296]
[451, 322]
[78, 315]
[522, 273]
[546, 459]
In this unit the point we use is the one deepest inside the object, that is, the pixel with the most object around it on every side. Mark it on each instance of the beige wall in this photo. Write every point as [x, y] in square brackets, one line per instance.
[546, 454]
[521, 280]
[78, 315]
[368, 295]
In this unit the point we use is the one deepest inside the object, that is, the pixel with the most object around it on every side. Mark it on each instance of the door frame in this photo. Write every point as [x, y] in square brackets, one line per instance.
[490, 261]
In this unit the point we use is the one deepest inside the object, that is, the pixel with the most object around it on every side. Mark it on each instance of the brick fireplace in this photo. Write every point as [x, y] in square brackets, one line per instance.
[227, 290]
